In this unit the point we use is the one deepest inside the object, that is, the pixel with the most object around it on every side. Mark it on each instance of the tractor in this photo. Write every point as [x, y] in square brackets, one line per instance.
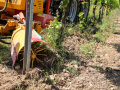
[13, 22]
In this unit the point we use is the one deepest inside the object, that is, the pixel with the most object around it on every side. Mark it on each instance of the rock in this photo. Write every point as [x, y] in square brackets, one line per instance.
[76, 66]
[35, 73]
[52, 77]
[27, 76]
[62, 78]
[112, 88]
[17, 67]
[106, 54]
[5, 62]
[101, 56]
[65, 71]
[67, 74]
[3, 70]
[81, 68]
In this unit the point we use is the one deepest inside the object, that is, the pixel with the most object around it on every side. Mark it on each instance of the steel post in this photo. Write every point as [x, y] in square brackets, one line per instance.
[28, 35]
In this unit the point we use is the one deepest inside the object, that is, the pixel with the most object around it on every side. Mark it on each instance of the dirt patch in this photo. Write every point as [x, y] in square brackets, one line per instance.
[79, 73]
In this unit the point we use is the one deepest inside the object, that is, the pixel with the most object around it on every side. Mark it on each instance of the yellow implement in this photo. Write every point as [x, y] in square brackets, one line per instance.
[21, 4]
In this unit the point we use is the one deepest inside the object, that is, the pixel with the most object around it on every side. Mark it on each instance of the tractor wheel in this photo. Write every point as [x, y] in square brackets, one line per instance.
[86, 7]
[75, 6]
[73, 10]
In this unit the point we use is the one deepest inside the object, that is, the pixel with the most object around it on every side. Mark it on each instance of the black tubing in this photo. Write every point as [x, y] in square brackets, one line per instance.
[2, 10]
[4, 41]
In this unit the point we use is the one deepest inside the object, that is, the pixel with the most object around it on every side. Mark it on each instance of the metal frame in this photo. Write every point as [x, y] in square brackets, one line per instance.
[47, 6]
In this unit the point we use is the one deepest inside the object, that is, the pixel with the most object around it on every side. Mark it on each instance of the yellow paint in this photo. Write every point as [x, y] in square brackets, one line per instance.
[10, 25]
[21, 4]
[37, 26]
[38, 6]
[41, 15]
[15, 4]
[33, 56]
[18, 39]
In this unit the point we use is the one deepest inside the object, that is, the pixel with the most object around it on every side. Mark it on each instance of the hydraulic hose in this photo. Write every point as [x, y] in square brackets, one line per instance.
[2, 10]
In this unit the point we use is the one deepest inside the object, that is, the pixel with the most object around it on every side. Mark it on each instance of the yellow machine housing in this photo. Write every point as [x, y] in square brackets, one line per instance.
[13, 5]
[20, 5]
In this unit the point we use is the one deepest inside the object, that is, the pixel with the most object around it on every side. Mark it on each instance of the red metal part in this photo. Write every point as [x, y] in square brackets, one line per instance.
[23, 11]
[13, 53]
[18, 11]
[44, 19]
[47, 6]
[36, 38]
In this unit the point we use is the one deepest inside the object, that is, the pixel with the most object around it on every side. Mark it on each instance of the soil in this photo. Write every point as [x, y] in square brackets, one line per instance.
[99, 73]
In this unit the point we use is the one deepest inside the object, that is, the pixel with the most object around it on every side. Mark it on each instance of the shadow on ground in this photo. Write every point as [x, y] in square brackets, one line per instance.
[5, 55]
[118, 33]
[112, 74]
[4, 52]
[116, 46]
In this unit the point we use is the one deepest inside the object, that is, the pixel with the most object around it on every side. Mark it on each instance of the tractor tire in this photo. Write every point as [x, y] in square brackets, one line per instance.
[73, 10]
[86, 7]
[75, 7]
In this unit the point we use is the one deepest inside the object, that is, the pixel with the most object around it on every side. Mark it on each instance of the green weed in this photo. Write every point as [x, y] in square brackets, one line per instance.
[101, 37]
[100, 68]
[18, 87]
[72, 70]
[5, 52]
[53, 33]
[48, 79]
[88, 49]
[56, 79]
[76, 62]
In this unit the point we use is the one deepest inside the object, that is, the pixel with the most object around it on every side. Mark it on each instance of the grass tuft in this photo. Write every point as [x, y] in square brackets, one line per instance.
[88, 49]
[5, 52]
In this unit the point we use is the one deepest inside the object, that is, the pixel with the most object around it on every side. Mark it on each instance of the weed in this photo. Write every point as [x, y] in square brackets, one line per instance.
[87, 35]
[56, 79]
[88, 49]
[53, 33]
[101, 37]
[72, 29]
[18, 87]
[72, 70]
[100, 68]
[4, 52]
[48, 80]
[76, 63]
[60, 68]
